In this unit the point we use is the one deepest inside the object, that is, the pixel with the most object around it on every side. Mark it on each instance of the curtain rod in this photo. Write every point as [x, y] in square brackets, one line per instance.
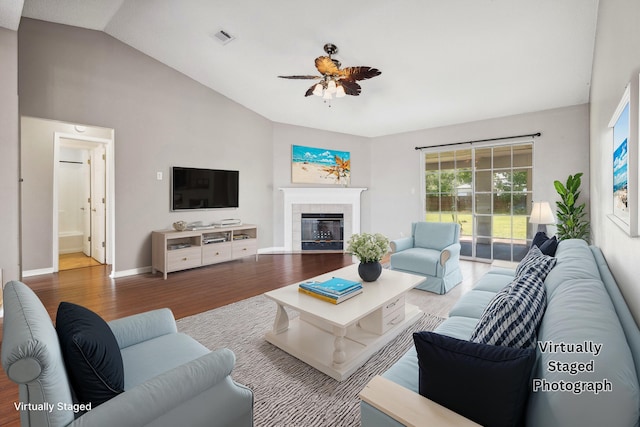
[481, 140]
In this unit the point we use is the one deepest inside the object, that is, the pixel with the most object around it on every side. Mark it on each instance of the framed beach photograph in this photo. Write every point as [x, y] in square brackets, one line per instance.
[624, 125]
[310, 165]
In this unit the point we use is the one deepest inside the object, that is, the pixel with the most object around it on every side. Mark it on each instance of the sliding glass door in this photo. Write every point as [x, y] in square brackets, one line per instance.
[487, 191]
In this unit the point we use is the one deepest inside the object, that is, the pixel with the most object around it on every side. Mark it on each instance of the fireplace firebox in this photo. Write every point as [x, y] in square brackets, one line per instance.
[322, 231]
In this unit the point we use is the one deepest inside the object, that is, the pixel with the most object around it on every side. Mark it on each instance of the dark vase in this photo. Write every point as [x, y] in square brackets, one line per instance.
[370, 271]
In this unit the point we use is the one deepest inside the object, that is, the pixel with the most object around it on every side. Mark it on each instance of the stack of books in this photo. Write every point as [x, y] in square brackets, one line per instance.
[334, 290]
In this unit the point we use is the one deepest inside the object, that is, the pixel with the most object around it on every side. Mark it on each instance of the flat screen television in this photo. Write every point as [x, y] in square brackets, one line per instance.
[193, 188]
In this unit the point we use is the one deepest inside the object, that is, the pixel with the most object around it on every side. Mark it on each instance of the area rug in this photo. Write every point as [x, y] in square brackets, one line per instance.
[288, 392]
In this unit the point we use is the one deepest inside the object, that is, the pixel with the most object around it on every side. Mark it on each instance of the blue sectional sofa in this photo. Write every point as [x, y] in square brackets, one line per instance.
[584, 306]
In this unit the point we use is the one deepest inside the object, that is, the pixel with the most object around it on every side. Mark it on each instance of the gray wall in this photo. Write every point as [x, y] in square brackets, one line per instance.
[615, 64]
[562, 149]
[161, 119]
[9, 149]
[284, 136]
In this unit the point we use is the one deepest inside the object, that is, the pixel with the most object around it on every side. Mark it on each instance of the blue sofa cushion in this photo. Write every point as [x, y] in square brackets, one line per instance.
[91, 354]
[419, 260]
[535, 262]
[485, 383]
[512, 317]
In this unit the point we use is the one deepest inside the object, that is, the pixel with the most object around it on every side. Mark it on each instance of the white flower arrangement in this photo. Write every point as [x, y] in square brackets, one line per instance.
[368, 247]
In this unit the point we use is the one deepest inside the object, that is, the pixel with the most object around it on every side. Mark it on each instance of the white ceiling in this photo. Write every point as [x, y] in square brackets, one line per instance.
[442, 61]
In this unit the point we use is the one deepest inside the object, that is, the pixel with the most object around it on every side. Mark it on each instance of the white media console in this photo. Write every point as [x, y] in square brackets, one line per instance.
[179, 250]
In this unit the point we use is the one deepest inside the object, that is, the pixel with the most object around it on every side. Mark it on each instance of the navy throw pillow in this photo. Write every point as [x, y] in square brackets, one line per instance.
[485, 383]
[539, 239]
[91, 354]
[549, 247]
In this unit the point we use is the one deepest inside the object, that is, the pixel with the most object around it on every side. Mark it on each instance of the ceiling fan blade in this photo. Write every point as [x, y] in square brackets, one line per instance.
[300, 77]
[326, 66]
[350, 87]
[360, 73]
[309, 91]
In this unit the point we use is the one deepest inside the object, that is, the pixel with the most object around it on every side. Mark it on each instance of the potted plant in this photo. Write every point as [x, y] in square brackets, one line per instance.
[369, 249]
[571, 221]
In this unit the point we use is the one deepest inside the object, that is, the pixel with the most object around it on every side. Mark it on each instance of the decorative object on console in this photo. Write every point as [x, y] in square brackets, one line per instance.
[335, 81]
[571, 221]
[310, 165]
[542, 215]
[369, 249]
[180, 225]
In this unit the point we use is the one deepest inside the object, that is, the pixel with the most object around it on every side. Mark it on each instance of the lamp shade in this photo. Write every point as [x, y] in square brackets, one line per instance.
[541, 213]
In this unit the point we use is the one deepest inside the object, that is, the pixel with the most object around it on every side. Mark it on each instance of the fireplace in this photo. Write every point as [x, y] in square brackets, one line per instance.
[322, 231]
[299, 200]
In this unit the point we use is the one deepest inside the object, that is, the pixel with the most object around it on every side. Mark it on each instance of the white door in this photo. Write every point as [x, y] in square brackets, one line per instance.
[98, 204]
[86, 203]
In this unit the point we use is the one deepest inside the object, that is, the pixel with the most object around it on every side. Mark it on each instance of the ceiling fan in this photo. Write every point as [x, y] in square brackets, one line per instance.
[333, 80]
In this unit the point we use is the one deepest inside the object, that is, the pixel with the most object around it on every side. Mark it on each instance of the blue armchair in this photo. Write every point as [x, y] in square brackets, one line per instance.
[169, 378]
[433, 251]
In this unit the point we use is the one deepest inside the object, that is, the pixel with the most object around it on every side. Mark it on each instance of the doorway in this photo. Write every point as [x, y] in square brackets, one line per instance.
[488, 191]
[81, 207]
[81, 202]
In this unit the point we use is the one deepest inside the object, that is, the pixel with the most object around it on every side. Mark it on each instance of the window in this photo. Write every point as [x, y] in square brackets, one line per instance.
[487, 191]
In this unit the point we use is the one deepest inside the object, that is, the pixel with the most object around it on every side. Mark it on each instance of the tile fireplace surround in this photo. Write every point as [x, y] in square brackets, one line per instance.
[298, 200]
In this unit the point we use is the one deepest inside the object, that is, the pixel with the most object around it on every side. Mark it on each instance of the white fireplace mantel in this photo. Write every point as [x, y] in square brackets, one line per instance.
[319, 196]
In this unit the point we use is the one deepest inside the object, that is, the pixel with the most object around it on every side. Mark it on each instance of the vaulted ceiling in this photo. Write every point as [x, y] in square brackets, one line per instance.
[442, 61]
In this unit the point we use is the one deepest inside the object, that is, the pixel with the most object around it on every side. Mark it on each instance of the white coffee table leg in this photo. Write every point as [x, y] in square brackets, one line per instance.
[281, 323]
[339, 346]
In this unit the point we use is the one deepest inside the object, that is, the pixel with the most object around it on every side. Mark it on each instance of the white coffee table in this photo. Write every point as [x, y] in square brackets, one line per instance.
[338, 339]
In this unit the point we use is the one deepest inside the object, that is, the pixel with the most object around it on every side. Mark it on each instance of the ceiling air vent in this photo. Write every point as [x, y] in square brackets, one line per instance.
[223, 37]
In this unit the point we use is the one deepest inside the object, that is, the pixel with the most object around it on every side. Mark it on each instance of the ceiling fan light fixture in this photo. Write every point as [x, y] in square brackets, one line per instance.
[333, 79]
[331, 86]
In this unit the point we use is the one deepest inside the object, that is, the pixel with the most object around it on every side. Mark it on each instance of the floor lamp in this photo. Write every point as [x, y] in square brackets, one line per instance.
[542, 215]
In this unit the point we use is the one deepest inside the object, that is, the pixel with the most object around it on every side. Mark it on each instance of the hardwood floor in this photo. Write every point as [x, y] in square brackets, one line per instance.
[75, 260]
[185, 293]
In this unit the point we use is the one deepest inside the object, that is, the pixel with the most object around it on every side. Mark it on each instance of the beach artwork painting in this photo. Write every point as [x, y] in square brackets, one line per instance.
[620, 166]
[311, 165]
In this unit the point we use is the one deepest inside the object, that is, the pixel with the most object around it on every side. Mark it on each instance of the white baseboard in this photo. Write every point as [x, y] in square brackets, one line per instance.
[132, 272]
[29, 273]
[272, 250]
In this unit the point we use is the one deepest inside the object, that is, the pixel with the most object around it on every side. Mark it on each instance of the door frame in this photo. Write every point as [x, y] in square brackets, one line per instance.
[110, 195]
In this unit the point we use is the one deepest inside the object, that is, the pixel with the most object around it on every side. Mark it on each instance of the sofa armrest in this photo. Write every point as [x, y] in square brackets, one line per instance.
[398, 245]
[409, 408]
[451, 251]
[141, 327]
[156, 397]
